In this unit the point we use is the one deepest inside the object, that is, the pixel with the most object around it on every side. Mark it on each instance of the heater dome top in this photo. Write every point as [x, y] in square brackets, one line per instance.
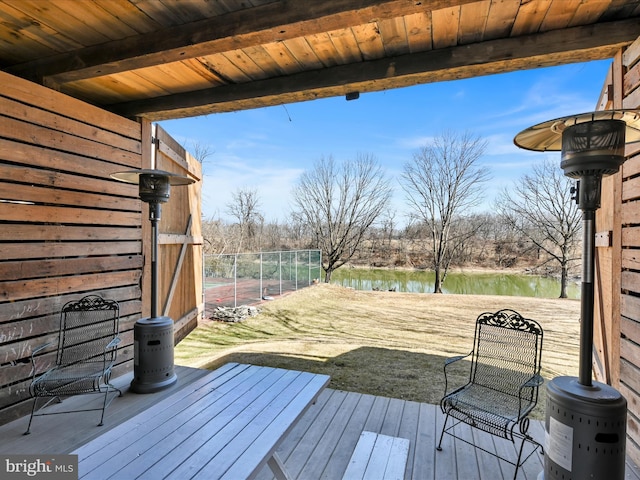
[133, 176]
[548, 135]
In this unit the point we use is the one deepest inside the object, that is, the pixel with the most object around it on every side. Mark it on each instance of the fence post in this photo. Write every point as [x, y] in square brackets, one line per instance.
[280, 270]
[260, 292]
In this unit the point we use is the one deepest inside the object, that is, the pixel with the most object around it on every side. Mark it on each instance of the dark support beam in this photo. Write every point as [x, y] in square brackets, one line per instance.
[577, 44]
[272, 22]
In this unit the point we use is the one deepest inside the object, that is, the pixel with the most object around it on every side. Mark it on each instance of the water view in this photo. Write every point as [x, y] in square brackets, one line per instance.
[469, 283]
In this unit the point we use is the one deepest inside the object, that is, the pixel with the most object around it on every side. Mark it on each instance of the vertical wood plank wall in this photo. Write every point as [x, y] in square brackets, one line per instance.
[66, 228]
[617, 338]
[630, 278]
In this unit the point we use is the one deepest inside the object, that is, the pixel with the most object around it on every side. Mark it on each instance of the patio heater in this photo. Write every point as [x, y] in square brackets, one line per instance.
[153, 336]
[585, 420]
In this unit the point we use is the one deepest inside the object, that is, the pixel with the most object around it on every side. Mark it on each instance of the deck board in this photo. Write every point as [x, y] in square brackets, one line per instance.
[318, 447]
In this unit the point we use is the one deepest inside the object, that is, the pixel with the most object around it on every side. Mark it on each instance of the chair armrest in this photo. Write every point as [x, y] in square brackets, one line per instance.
[448, 362]
[451, 360]
[534, 381]
[39, 348]
[113, 343]
[34, 352]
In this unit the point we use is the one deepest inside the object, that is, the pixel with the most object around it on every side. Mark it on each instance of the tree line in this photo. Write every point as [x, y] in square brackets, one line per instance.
[343, 209]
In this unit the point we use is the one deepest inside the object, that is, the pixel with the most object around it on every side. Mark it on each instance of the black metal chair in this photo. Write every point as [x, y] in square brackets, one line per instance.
[87, 349]
[503, 383]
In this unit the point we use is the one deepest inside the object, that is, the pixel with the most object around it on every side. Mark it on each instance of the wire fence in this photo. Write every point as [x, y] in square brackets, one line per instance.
[248, 278]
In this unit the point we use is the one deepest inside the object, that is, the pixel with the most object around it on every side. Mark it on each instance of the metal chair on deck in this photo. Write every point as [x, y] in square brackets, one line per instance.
[503, 383]
[87, 349]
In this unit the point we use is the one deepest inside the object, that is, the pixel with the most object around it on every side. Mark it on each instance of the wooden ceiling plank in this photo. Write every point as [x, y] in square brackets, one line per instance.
[473, 21]
[27, 38]
[129, 14]
[530, 17]
[266, 61]
[445, 27]
[589, 12]
[346, 45]
[418, 28]
[560, 14]
[55, 17]
[97, 19]
[227, 70]
[134, 82]
[621, 9]
[235, 30]
[173, 78]
[369, 41]
[393, 34]
[551, 48]
[171, 13]
[304, 54]
[502, 14]
[323, 48]
[283, 59]
[246, 64]
[201, 69]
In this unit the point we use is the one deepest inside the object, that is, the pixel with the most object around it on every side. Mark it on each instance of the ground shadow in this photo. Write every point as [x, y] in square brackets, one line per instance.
[376, 371]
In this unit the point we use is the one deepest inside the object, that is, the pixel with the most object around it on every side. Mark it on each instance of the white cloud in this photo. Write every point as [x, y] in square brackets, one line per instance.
[272, 183]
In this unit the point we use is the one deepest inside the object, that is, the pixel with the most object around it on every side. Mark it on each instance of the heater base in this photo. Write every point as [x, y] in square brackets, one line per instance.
[585, 430]
[153, 355]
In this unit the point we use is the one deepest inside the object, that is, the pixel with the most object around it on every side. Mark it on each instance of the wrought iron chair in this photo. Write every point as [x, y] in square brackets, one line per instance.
[87, 349]
[503, 383]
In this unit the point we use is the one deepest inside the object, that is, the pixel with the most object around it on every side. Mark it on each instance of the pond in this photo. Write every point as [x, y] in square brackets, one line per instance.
[478, 283]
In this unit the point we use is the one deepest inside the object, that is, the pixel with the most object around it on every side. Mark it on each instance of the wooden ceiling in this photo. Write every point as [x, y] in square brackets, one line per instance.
[165, 59]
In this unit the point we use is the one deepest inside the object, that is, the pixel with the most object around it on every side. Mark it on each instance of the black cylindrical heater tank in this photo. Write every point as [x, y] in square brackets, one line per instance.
[585, 431]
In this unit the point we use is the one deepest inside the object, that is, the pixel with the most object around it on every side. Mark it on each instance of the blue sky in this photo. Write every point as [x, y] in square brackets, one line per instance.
[267, 149]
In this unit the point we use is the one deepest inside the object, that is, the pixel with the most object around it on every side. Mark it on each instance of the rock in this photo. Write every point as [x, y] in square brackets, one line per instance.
[237, 314]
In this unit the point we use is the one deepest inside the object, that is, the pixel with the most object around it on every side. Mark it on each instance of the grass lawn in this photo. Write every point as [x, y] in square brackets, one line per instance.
[382, 343]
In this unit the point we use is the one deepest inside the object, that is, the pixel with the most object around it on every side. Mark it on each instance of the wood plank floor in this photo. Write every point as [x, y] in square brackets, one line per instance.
[319, 446]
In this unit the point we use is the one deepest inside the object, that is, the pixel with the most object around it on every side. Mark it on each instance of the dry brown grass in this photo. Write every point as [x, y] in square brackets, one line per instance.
[381, 343]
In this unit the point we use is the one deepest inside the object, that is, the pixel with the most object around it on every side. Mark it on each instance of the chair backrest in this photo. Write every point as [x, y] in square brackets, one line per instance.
[507, 351]
[86, 327]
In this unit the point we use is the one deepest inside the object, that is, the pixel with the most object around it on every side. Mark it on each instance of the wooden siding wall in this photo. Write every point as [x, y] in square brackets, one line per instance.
[617, 336]
[66, 228]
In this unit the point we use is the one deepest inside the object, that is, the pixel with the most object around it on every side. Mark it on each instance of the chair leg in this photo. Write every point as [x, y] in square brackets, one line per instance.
[444, 425]
[33, 409]
[515, 473]
[109, 389]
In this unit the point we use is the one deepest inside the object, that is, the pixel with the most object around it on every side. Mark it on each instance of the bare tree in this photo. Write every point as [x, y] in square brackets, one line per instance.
[245, 208]
[443, 182]
[201, 151]
[340, 203]
[541, 208]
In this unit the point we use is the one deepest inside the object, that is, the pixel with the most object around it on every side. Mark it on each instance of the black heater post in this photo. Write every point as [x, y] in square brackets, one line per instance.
[153, 336]
[585, 420]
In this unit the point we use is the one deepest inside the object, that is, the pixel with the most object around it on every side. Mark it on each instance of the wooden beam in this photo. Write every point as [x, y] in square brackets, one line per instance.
[273, 22]
[556, 47]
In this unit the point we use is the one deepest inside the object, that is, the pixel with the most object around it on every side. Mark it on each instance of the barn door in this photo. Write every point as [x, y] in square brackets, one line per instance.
[179, 237]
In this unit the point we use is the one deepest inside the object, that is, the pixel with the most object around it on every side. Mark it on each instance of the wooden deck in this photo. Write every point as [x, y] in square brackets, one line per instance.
[319, 446]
